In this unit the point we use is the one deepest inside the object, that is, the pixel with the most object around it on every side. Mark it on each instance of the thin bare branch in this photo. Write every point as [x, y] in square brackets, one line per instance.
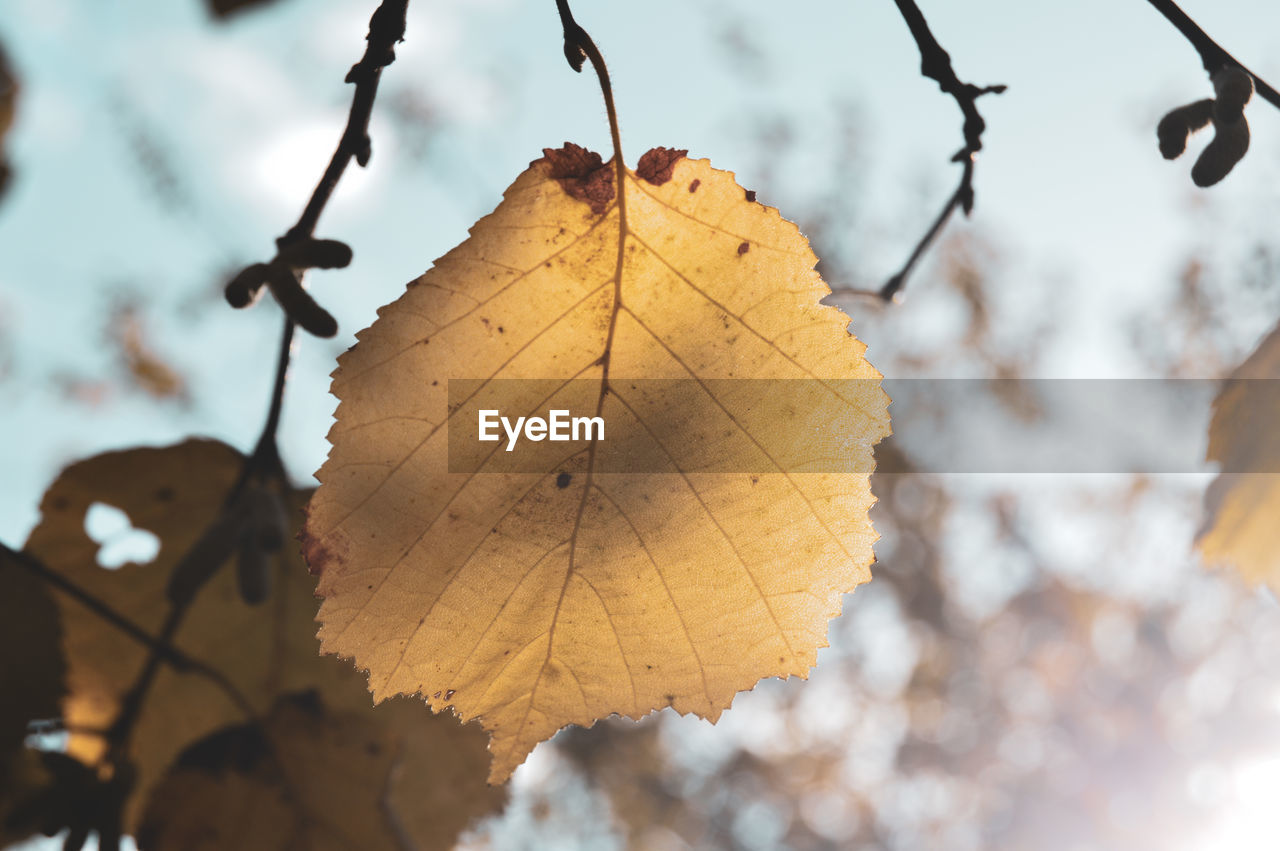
[935, 63]
[283, 274]
[164, 650]
[386, 29]
[1212, 55]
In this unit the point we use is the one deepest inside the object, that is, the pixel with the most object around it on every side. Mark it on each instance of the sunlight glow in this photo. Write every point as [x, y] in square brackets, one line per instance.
[285, 168]
[1250, 820]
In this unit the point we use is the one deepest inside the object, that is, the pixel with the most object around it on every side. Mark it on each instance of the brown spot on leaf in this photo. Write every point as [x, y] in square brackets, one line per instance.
[744, 248]
[693, 187]
[571, 161]
[317, 555]
[656, 164]
[562, 480]
[581, 174]
[751, 194]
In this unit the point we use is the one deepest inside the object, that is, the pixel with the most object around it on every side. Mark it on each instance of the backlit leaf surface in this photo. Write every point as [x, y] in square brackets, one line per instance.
[533, 600]
[263, 651]
[307, 777]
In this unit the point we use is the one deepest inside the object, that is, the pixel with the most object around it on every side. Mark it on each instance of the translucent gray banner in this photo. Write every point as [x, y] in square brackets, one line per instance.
[814, 426]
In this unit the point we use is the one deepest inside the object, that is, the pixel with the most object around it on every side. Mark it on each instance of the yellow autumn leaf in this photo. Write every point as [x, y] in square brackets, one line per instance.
[1239, 527]
[535, 597]
[263, 651]
[309, 777]
[172, 492]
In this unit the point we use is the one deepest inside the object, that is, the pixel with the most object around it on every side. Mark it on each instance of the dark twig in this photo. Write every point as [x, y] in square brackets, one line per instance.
[575, 37]
[1212, 55]
[386, 29]
[282, 275]
[579, 47]
[98, 607]
[935, 63]
[578, 44]
[178, 660]
[265, 461]
[297, 250]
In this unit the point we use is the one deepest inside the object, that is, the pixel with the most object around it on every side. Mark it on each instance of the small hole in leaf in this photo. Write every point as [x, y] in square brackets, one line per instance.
[118, 542]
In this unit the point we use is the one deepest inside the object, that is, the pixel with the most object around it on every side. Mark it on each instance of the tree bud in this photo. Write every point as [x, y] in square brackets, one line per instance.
[1176, 127]
[1229, 145]
[298, 303]
[253, 569]
[266, 517]
[244, 288]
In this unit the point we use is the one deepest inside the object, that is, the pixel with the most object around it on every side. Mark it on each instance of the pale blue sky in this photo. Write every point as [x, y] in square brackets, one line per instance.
[246, 113]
